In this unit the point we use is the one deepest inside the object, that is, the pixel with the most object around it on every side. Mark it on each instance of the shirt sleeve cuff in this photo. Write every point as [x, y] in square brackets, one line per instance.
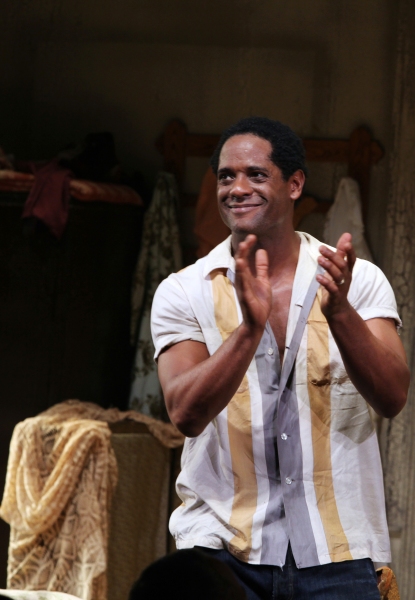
[380, 312]
[169, 340]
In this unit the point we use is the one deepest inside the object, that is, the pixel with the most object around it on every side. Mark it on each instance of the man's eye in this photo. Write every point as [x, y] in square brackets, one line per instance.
[224, 176]
[258, 175]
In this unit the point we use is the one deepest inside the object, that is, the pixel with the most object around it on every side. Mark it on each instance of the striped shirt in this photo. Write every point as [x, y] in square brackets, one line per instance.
[307, 471]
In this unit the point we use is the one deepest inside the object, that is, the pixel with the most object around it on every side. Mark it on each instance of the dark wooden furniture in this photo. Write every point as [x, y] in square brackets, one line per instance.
[64, 313]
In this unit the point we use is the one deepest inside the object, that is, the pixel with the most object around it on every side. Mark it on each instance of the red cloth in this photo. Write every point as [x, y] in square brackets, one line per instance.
[49, 197]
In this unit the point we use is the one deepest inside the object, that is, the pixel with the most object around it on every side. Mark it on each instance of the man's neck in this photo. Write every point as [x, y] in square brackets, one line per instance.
[283, 251]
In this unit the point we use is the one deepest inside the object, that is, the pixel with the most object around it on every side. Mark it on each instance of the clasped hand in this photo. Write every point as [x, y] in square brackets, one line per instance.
[254, 289]
[252, 283]
[337, 278]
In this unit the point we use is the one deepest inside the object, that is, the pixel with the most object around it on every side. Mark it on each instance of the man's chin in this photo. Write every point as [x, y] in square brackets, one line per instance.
[242, 228]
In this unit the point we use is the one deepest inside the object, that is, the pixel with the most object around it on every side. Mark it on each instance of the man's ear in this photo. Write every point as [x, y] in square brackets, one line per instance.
[296, 181]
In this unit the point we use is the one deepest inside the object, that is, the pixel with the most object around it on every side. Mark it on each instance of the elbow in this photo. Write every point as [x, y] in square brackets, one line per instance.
[399, 406]
[392, 409]
[186, 423]
[188, 427]
[397, 396]
[189, 430]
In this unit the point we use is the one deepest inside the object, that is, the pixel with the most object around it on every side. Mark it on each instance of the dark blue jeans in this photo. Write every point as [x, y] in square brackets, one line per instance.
[348, 580]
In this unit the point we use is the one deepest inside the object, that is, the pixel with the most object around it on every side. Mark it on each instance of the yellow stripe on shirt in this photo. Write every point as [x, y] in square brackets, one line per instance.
[318, 382]
[239, 428]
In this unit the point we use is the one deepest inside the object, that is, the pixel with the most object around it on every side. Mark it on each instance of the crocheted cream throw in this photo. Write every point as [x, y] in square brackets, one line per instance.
[60, 477]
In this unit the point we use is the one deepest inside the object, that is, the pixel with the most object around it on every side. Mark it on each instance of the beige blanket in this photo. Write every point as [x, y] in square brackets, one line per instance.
[60, 478]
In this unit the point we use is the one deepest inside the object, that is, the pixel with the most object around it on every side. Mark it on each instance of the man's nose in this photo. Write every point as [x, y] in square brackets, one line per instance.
[241, 187]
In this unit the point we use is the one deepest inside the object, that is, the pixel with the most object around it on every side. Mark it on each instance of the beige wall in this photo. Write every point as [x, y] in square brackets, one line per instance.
[72, 67]
[133, 89]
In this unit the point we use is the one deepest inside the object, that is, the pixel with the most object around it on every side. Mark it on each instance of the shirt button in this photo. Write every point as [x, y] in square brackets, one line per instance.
[288, 481]
[284, 436]
[270, 351]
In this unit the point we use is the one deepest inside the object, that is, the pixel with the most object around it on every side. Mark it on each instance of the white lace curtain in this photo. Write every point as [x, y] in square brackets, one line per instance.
[160, 255]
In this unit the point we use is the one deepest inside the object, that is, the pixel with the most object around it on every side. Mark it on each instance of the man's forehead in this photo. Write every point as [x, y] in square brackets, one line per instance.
[246, 146]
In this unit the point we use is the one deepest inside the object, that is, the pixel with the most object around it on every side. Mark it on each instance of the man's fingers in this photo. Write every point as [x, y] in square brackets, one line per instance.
[341, 262]
[243, 272]
[244, 279]
[336, 273]
[344, 251]
[245, 247]
[337, 258]
[345, 245]
[345, 242]
[351, 258]
[329, 284]
[242, 254]
[250, 240]
[261, 264]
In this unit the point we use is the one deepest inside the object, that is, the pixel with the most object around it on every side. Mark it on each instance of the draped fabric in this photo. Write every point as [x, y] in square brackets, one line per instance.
[398, 435]
[48, 200]
[160, 255]
[60, 477]
[346, 215]
[59, 482]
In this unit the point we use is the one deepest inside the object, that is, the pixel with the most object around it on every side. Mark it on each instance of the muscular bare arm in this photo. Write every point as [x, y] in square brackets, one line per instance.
[198, 386]
[372, 351]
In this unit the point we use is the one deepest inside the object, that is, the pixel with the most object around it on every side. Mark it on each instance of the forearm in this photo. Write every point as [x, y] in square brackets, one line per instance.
[196, 394]
[378, 372]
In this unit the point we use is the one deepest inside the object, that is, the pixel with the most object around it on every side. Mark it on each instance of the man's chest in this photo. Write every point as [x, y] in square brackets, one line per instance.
[278, 317]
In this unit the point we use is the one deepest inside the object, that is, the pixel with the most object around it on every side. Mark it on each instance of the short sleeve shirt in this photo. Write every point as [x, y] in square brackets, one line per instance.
[306, 471]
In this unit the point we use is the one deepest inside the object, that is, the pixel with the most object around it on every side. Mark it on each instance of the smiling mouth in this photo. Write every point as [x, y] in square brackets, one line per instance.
[242, 208]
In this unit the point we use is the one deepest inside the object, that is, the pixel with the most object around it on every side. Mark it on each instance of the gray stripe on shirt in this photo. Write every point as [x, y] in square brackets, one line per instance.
[274, 536]
[291, 467]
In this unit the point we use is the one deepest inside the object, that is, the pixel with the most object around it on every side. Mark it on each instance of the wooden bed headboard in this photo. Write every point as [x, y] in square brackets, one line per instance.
[360, 152]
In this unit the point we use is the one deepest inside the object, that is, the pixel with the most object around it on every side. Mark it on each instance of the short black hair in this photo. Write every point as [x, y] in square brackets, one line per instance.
[287, 153]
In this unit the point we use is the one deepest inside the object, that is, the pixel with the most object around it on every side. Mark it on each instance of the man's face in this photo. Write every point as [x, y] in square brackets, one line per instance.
[252, 194]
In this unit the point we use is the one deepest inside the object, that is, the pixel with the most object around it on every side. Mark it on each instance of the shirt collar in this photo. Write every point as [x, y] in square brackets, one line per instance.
[306, 268]
[221, 258]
